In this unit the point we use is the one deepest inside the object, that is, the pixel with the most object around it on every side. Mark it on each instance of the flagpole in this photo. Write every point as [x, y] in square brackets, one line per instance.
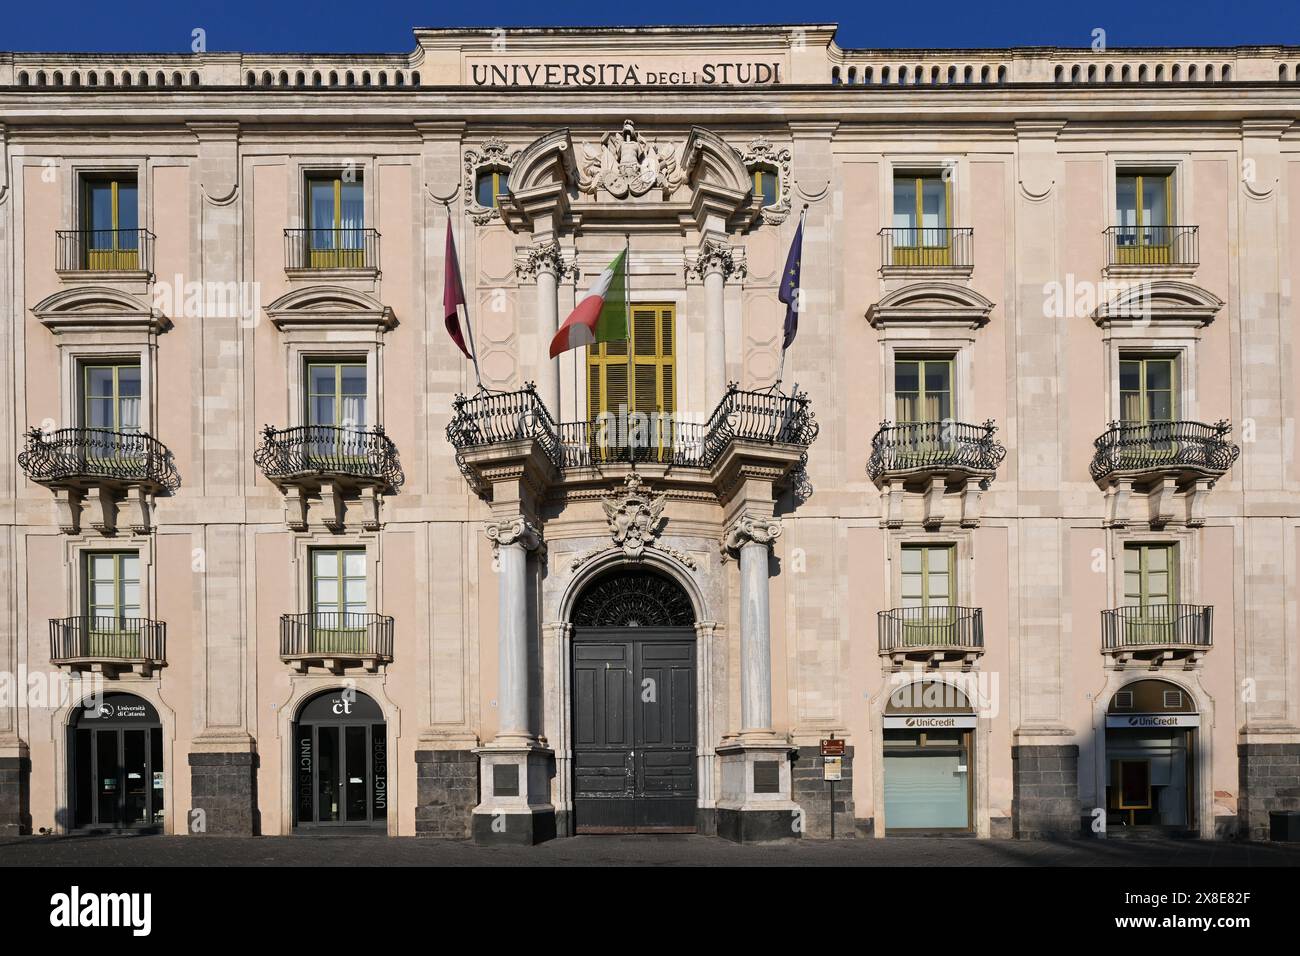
[627, 320]
[780, 371]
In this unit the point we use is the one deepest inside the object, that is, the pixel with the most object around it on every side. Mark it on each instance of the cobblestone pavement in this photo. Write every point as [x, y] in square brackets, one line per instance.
[369, 850]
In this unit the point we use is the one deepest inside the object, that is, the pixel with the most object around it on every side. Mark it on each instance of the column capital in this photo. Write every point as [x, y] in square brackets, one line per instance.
[517, 530]
[750, 529]
[542, 257]
[716, 257]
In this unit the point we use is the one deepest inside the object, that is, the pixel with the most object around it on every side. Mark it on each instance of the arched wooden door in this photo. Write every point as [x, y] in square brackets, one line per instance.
[634, 706]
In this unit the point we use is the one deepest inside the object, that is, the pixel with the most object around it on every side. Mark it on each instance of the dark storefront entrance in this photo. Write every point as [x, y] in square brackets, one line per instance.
[341, 760]
[634, 707]
[115, 753]
[1151, 728]
[929, 735]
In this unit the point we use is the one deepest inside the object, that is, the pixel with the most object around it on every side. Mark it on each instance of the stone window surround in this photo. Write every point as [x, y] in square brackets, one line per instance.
[80, 351]
[924, 163]
[1153, 341]
[103, 164]
[1186, 569]
[76, 547]
[302, 347]
[1177, 165]
[306, 542]
[963, 565]
[960, 349]
[319, 164]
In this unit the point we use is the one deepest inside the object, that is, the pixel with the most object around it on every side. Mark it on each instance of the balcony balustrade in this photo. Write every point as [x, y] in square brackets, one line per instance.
[336, 640]
[104, 250]
[1152, 246]
[1157, 633]
[926, 248]
[108, 644]
[318, 249]
[932, 634]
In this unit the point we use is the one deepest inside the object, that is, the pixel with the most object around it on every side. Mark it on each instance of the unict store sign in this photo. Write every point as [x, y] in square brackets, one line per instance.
[933, 722]
[649, 73]
[1152, 720]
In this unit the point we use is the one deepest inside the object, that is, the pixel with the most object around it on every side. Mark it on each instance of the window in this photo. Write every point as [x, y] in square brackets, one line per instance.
[1147, 390]
[922, 220]
[1150, 593]
[112, 603]
[338, 599]
[653, 368]
[336, 222]
[111, 397]
[110, 222]
[928, 593]
[1143, 205]
[336, 409]
[766, 185]
[490, 185]
[922, 389]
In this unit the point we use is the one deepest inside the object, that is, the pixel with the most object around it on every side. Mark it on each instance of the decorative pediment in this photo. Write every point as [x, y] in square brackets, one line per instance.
[936, 303]
[1159, 302]
[98, 309]
[330, 307]
[540, 179]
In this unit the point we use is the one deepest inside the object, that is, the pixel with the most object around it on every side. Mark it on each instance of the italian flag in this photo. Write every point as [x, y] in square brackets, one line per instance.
[602, 314]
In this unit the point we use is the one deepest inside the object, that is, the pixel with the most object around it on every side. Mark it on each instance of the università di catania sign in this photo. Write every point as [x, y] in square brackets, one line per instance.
[750, 73]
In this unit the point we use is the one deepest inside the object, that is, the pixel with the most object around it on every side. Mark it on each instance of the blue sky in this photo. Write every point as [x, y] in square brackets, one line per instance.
[373, 26]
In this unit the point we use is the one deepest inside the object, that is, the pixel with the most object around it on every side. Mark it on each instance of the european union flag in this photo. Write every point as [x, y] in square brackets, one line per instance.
[789, 293]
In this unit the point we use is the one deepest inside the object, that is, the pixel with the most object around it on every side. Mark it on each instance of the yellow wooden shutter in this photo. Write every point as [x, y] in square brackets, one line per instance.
[653, 366]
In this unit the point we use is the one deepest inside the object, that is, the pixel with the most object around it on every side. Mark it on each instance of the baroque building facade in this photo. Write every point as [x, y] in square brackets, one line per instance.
[1006, 543]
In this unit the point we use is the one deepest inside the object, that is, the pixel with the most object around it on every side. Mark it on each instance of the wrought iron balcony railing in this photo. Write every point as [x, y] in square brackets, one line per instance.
[1128, 448]
[493, 418]
[93, 455]
[104, 250]
[1152, 246]
[108, 639]
[929, 628]
[917, 448]
[362, 454]
[331, 248]
[926, 247]
[1157, 625]
[323, 634]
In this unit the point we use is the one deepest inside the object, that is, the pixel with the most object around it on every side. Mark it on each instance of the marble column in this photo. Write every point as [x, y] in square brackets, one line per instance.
[543, 262]
[512, 541]
[715, 262]
[751, 537]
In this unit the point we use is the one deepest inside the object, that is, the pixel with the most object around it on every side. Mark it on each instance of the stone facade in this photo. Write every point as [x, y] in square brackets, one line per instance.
[790, 510]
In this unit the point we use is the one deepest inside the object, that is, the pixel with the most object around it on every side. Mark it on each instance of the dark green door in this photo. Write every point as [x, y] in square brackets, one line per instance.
[634, 730]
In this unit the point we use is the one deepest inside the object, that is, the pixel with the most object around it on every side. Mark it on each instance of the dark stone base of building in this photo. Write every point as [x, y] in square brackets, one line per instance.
[514, 829]
[756, 826]
[446, 792]
[1045, 791]
[813, 793]
[706, 821]
[1268, 776]
[223, 794]
[15, 796]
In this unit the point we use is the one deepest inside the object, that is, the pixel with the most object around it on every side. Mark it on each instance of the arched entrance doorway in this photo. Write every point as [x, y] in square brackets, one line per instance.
[340, 752]
[115, 755]
[1151, 728]
[634, 705]
[929, 748]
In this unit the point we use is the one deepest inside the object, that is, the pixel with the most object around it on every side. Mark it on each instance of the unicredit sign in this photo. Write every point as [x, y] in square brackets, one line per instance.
[937, 722]
[1120, 721]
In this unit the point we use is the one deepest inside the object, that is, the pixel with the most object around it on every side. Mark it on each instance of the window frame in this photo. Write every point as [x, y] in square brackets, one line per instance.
[922, 359]
[115, 256]
[338, 255]
[925, 548]
[1175, 384]
[86, 366]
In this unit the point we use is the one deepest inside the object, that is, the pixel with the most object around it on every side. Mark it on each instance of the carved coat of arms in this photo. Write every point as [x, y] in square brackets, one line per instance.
[634, 518]
[626, 164]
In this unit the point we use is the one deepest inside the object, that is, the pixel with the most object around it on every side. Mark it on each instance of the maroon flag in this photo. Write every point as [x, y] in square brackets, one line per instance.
[453, 294]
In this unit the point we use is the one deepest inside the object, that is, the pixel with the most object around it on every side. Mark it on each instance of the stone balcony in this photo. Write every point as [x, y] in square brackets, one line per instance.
[1167, 462]
[323, 468]
[498, 433]
[98, 469]
[934, 459]
[108, 645]
[1157, 634]
[931, 636]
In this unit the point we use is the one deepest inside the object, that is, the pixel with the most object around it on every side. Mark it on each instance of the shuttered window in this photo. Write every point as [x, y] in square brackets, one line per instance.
[654, 361]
